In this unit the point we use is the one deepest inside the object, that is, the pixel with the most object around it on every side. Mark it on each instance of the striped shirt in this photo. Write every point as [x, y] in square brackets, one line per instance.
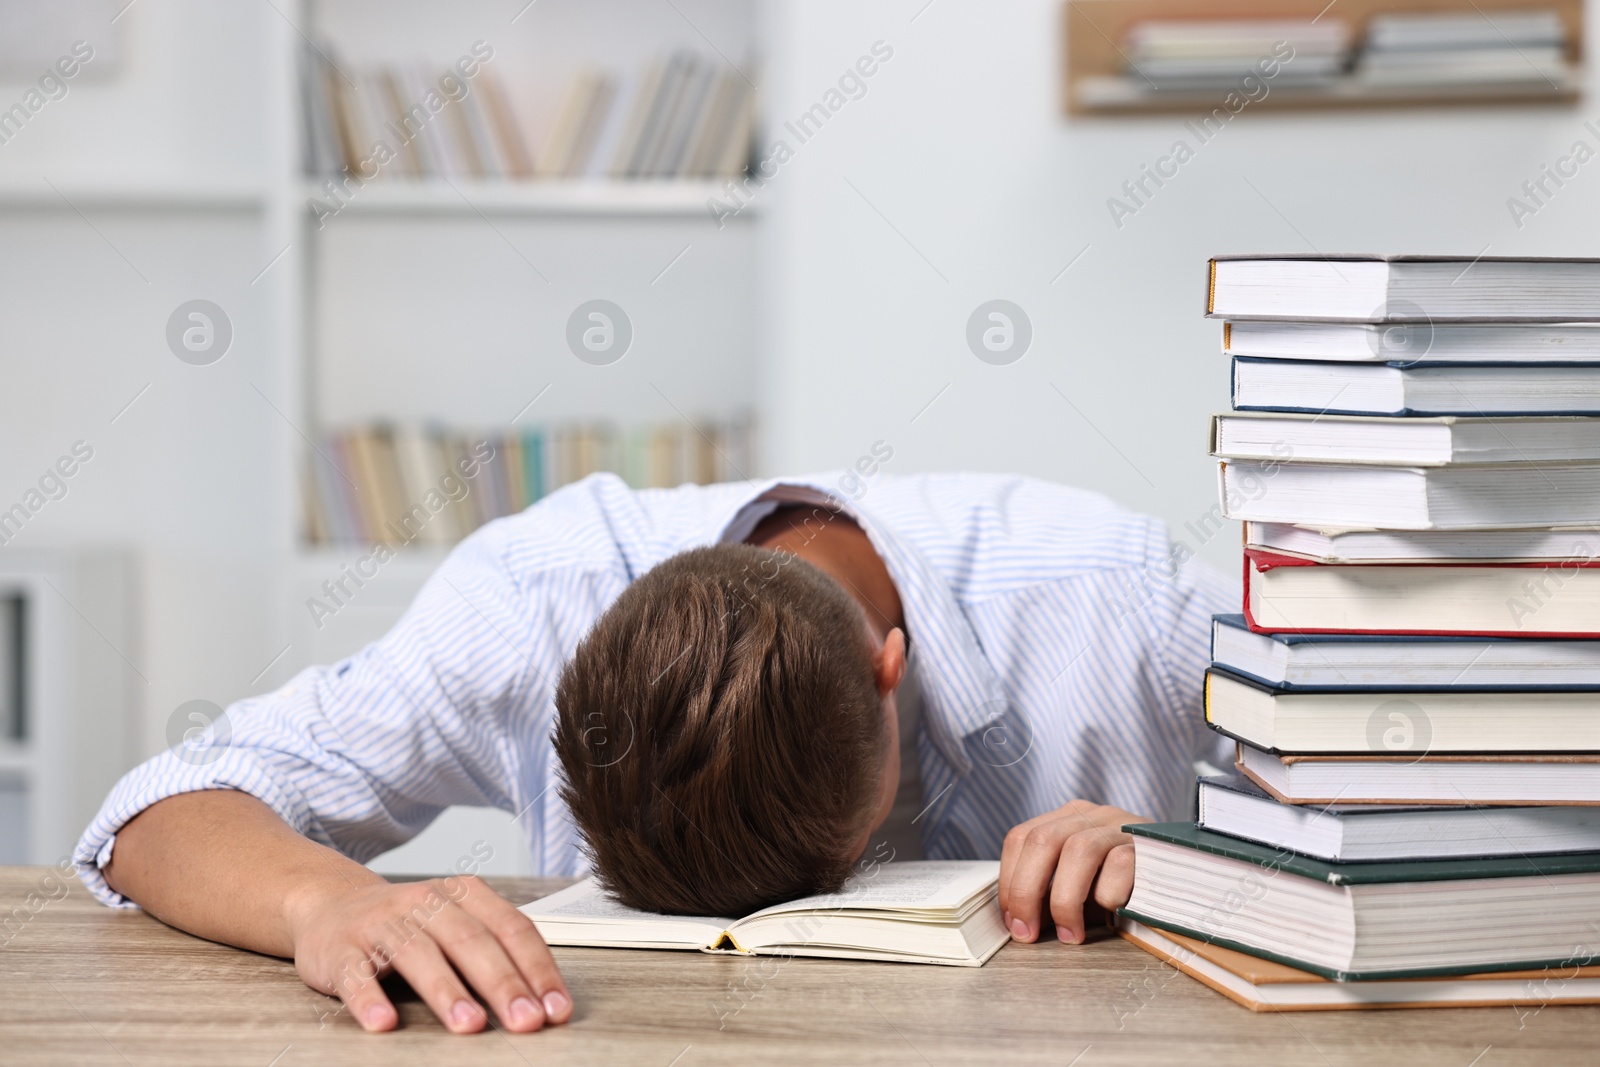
[1058, 642]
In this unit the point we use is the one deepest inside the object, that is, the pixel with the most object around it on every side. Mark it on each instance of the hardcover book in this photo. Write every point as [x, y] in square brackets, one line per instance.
[1362, 721]
[1234, 805]
[1382, 496]
[1422, 342]
[1383, 440]
[1540, 544]
[1501, 599]
[1264, 985]
[1379, 289]
[1293, 660]
[1406, 772]
[1362, 921]
[1432, 388]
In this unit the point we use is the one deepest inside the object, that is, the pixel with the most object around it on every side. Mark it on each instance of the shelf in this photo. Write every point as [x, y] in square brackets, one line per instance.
[1124, 95]
[402, 196]
[133, 196]
[1096, 78]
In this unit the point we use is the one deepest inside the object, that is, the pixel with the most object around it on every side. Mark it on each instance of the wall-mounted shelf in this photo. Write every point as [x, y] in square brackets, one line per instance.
[1121, 96]
[1098, 79]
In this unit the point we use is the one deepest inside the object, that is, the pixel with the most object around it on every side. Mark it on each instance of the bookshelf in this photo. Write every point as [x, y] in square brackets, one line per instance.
[1096, 79]
[376, 316]
[443, 301]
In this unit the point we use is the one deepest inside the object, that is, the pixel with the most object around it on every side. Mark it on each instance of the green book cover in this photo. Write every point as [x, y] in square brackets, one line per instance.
[1348, 874]
[533, 465]
[1366, 872]
[1335, 975]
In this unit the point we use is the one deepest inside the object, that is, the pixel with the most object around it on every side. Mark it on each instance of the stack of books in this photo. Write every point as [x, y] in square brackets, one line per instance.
[1414, 681]
[1217, 53]
[1426, 49]
[682, 116]
[383, 484]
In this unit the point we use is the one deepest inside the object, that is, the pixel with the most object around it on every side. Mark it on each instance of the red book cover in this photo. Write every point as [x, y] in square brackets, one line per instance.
[1258, 561]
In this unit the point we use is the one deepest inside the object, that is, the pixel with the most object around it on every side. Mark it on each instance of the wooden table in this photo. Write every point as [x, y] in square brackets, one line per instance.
[84, 985]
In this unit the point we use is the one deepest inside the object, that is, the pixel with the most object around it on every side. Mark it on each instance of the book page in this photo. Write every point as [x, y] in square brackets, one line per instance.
[920, 885]
[586, 902]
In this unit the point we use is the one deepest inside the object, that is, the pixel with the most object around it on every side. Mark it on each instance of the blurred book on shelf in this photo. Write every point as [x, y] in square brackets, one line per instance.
[680, 117]
[1451, 49]
[1217, 53]
[397, 485]
[13, 666]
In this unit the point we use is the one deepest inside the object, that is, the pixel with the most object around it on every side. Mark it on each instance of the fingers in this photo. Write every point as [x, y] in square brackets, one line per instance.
[1060, 855]
[422, 963]
[1079, 865]
[484, 962]
[453, 939]
[1011, 851]
[1115, 884]
[521, 941]
[1030, 876]
[363, 996]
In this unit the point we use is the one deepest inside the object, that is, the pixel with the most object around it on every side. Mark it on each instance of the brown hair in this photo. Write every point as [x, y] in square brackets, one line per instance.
[721, 734]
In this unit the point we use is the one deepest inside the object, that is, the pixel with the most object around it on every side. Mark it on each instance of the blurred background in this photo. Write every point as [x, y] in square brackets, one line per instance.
[268, 268]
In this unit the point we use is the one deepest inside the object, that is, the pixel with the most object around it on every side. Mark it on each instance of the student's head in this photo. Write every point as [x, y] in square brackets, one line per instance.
[727, 733]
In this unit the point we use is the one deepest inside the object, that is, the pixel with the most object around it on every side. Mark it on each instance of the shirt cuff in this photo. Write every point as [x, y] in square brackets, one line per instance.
[168, 775]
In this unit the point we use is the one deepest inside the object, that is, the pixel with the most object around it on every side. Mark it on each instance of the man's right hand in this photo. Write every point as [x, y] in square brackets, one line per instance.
[434, 934]
[223, 865]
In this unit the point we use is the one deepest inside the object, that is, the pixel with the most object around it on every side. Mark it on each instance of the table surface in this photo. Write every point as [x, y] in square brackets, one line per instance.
[82, 984]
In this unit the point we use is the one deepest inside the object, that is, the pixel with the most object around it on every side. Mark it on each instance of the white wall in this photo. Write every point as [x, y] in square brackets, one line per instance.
[960, 144]
[190, 474]
[444, 318]
[174, 96]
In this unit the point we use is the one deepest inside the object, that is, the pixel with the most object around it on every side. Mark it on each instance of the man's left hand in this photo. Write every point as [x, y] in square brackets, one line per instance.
[1072, 855]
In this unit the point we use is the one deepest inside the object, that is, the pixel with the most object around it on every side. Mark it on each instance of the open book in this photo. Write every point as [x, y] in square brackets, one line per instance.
[915, 912]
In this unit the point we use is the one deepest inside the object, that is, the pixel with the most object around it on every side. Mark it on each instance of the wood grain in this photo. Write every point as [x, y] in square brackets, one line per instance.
[86, 985]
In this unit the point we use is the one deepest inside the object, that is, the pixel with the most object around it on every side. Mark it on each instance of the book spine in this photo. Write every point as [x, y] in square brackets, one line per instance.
[533, 465]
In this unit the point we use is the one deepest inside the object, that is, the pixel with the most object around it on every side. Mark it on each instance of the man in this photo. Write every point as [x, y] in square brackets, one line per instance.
[713, 697]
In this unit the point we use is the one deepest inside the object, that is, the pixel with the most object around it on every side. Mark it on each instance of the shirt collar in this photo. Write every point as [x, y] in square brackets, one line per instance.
[961, 692]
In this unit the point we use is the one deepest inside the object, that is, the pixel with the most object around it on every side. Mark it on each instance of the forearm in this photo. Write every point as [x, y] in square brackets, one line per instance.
[222, 865]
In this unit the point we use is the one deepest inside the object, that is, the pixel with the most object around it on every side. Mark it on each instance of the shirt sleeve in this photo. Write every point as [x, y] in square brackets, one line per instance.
[364, 754]
[1180, 643]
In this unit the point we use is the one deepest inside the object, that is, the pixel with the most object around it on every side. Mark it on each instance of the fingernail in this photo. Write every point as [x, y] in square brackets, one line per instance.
[463, 1013]
[1019, 929]
[375, 1017]
[1068, 937]
[523, 1012]
[556, 1004]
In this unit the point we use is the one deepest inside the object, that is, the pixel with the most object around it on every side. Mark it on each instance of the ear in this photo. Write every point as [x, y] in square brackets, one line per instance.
[889, 662]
